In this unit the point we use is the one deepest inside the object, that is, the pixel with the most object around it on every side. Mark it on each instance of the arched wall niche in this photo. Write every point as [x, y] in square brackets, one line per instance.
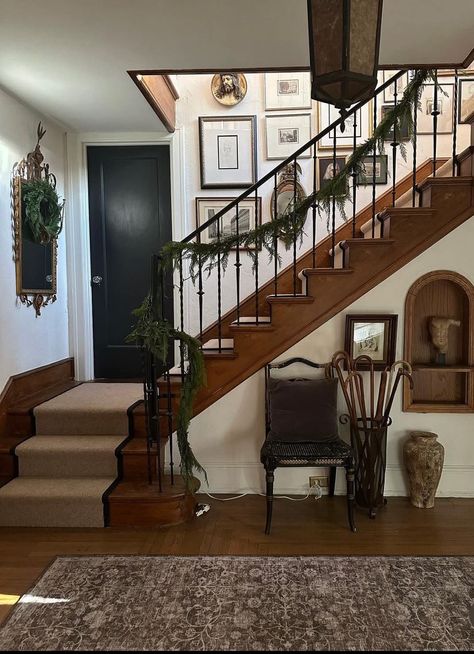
[447, 387]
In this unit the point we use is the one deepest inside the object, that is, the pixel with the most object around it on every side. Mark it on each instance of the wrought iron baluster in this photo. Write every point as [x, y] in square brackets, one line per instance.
[257, 246]
[275, 235]
[435, 114]
[314, 207]
[219, 289]
[237, 265]
[374, 161]
[394, 145]
[354, 178]
[455, 123]
[415, 144]
[293, 213]
[200, 290]
[333, 222]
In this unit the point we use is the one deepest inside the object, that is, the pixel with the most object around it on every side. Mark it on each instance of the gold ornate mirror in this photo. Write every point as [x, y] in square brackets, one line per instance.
[35, 242]
[285, 191]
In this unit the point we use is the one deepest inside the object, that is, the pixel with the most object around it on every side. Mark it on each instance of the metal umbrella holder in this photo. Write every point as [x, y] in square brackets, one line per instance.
[369, 418]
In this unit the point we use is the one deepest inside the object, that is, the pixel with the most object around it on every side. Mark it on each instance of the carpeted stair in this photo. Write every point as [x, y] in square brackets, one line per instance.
[67, 467]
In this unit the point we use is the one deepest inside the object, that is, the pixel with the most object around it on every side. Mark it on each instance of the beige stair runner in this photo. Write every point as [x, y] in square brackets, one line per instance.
[67, 467]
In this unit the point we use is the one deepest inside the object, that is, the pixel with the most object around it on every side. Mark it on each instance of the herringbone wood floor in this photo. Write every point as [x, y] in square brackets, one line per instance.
[307, 528]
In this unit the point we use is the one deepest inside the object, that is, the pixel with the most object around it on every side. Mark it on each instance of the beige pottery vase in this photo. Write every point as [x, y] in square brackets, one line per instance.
[423, 457]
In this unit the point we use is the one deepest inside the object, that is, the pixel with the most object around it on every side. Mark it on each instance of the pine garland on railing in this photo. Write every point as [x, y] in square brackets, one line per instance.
[157, 334]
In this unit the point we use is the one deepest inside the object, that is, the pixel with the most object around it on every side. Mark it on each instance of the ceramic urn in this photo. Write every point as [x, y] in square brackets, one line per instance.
[423, 457]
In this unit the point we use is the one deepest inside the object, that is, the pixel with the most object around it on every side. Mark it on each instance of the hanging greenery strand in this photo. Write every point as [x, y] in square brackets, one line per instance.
[156, 334]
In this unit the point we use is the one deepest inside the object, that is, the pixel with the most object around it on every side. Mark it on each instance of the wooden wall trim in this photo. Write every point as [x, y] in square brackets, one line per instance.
[160, 93]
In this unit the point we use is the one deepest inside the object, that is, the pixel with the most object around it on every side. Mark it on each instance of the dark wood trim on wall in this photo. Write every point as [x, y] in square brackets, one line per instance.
[160, 93]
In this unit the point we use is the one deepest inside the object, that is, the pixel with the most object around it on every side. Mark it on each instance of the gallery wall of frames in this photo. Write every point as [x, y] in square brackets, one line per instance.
[237, 127]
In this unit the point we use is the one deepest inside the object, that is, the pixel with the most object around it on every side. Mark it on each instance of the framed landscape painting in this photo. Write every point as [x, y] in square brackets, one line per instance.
[249, 216]
[228, 151]
[367, 176]
[287, 91]
[286, 133]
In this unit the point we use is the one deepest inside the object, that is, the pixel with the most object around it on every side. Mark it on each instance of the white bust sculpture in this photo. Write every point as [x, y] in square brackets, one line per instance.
[439, 332]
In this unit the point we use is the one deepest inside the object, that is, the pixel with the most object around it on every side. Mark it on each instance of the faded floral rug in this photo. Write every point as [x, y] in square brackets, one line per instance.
[247, 603]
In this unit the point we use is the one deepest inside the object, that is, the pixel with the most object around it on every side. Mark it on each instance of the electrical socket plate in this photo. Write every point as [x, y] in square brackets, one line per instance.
[322, 481]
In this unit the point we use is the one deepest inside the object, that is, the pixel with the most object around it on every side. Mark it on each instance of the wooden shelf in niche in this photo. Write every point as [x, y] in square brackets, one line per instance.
[449, 388]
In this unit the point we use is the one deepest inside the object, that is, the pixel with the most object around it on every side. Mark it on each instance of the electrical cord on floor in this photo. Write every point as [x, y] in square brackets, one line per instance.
[317, 495]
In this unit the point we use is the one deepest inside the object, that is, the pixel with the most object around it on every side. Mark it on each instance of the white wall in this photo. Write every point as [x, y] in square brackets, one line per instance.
[197, 100]
[227, 437]
[26, 341]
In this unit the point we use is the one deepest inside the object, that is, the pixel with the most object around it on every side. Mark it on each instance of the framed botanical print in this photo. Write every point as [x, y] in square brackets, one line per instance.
[465, 98]
[403, 133]
[228, 151]
[327, 169]
[444, 106]
[367, 175]
[374, 336]
[388, 94]
[249, 216]
[286, 133]
[327, 114]
[287, 91]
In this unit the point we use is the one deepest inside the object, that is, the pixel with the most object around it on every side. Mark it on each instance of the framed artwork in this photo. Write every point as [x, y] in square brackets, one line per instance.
[366, 176]
[229, 88]
[465, 98]
[403, 133]
[445, 108]
[228, 151]
[288, 188]
[374, 336]
[250, 215]
[327, 169]
[388, 95]
[286, 133]
[287, 91]
[327, 114]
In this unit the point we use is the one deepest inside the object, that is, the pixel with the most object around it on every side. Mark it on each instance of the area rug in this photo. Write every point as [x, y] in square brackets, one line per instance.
[246, 603]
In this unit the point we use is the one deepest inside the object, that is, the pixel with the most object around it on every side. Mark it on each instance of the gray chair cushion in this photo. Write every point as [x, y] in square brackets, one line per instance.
[303, 410]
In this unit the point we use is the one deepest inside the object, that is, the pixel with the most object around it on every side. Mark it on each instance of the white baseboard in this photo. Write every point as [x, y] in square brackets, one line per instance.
[456, 481]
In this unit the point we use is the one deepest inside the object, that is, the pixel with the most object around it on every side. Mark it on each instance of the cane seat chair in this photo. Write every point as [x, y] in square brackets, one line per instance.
[301, 429]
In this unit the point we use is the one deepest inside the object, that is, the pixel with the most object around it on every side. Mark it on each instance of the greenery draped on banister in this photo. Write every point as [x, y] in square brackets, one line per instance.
[157, 334]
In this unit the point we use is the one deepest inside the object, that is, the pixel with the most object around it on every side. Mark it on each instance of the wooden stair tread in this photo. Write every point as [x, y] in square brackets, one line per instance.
[326, 271]
[445, 181]
[9, 443]
[26, 404]
[252, 320]
[290, 299]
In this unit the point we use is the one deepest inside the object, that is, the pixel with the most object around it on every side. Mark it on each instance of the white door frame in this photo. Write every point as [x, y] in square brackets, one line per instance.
[81, 340]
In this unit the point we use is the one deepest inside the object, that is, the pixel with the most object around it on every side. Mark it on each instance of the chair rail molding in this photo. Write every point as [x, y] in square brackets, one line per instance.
[77, 228]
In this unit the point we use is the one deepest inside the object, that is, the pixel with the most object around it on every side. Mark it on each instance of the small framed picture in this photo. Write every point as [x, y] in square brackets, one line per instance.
[228, 151]
[444, 106]
[249, 216]
[465, 98]
[286, 133]
[367, 175]
[403, 133]
[287, 91]
[374, 336]
[327, 114]
[388, 94]
[327, 169]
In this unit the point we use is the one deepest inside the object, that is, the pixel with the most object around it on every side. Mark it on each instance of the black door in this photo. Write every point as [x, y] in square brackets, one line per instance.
[130, 219]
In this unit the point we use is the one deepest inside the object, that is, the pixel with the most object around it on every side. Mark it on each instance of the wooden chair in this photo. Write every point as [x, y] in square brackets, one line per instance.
[284, 413]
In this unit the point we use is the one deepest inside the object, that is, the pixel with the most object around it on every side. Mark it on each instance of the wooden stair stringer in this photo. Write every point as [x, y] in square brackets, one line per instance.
[335, 292]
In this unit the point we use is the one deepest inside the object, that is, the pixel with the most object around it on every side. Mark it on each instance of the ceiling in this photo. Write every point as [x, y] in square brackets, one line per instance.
[68, 58]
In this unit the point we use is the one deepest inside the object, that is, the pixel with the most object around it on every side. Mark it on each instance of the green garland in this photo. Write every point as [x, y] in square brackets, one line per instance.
[43, 211]
[156, 334]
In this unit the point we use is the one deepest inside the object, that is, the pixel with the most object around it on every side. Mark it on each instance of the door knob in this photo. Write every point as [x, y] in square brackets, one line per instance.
[97, 279]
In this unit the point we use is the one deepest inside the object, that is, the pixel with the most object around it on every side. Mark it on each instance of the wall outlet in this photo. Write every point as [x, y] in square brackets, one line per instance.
[322, 481]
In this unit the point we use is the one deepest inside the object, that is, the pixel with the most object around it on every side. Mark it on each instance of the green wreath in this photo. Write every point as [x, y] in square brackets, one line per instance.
[43, 211]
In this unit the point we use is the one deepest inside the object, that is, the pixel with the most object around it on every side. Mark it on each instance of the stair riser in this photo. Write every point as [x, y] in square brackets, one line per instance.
[135, 466]
[142, 513]
[77, 464]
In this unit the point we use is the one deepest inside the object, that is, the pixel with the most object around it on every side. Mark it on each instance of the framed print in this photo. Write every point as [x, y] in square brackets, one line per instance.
[327, 114]
[287, 91]
[445, 108]
[388, 95]
[374, 336]
[228, 151]
[327, 169]
[366, 176]
[465, 98]
[286, 133]
[250, 215]
[403, 133]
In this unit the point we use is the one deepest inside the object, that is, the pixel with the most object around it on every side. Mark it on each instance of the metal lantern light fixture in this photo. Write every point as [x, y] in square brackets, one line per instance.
[344, 39]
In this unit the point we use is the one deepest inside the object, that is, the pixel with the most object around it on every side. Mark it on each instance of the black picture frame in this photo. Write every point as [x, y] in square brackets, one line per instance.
[380, 348]
[403, 133]
[368, 178]
[461, 82]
